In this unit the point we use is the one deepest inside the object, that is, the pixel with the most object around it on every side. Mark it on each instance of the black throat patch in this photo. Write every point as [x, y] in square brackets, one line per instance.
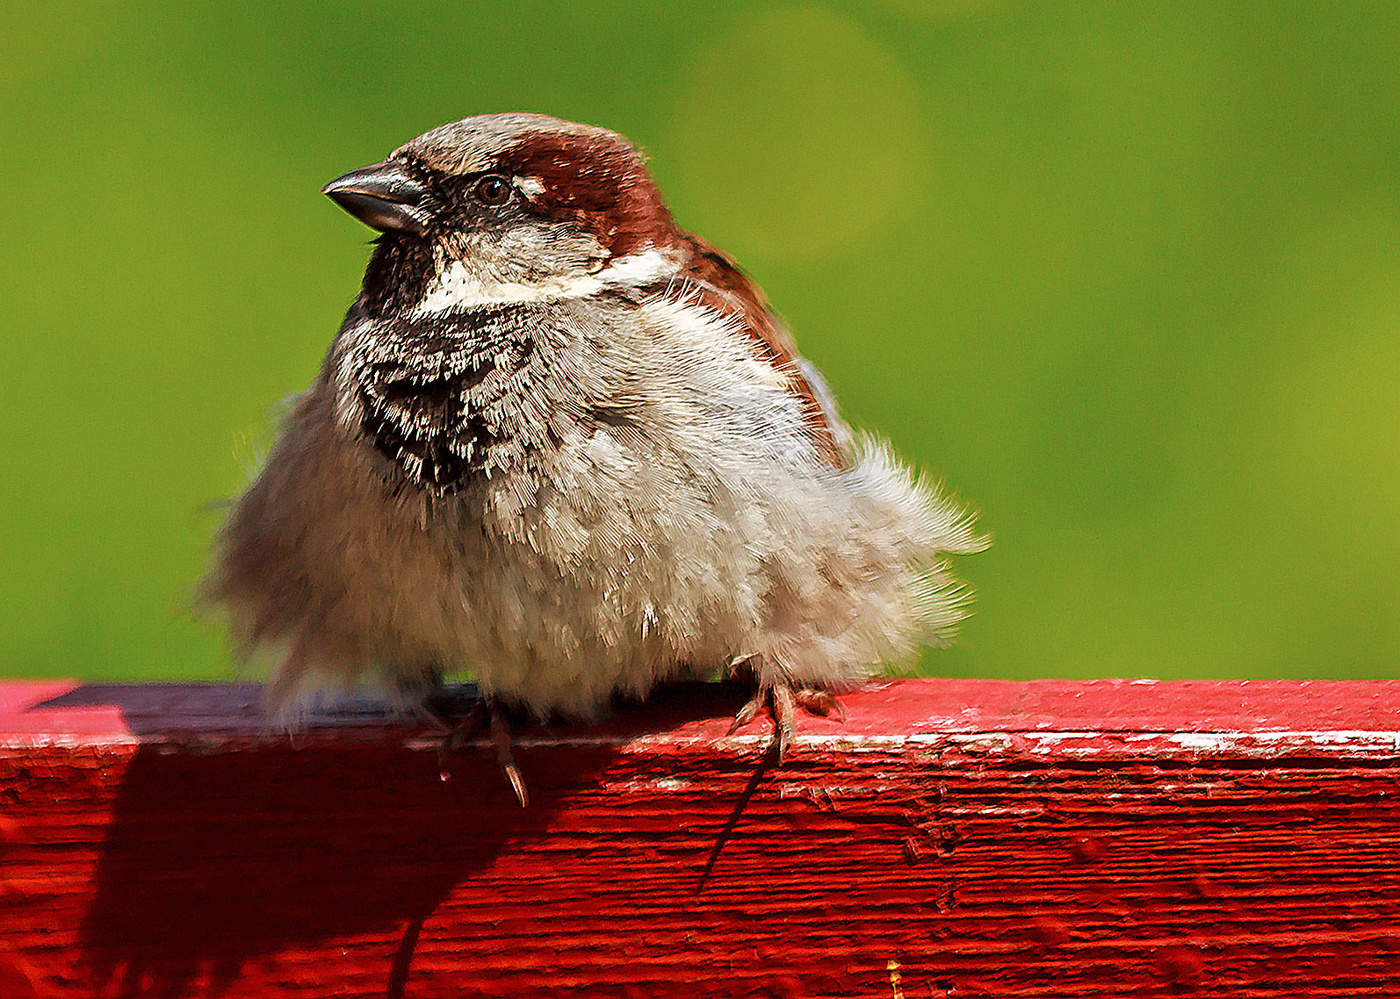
[432, 395]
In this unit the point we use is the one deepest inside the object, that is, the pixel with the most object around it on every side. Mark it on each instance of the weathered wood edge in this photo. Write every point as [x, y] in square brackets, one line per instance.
[1062, 718]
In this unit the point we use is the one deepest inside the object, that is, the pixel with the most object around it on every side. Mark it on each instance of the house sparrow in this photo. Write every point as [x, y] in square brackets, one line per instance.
[567, 446]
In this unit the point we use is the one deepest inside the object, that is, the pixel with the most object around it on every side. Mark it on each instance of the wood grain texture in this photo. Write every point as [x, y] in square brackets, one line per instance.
[953, 838]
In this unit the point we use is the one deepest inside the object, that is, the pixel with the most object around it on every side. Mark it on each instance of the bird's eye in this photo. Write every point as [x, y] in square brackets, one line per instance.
[492, 190]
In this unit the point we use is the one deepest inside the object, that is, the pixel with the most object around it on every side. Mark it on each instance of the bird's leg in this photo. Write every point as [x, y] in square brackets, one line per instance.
[782, 698]
[486, 714]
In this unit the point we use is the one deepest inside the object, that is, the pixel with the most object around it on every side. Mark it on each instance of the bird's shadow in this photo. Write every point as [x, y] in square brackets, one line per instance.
[215, 859]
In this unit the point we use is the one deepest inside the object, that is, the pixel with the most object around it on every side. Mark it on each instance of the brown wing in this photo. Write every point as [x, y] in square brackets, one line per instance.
[722, 286]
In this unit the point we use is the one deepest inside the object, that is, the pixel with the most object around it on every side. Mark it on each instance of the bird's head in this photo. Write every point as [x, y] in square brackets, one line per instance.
[500, 208]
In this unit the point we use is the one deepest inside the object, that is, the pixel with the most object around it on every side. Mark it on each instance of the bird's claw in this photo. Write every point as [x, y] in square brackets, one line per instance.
[782, 700]
[822, 703]
[486, 714]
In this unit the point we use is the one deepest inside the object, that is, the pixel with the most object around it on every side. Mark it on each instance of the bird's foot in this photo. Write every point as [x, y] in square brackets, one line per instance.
[782, 699]
[486, 716]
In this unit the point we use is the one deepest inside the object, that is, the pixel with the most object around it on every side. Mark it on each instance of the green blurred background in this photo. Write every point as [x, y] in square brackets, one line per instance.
[1125, 276]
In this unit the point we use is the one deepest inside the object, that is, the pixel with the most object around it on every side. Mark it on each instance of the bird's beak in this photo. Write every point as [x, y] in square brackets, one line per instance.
[384, 197]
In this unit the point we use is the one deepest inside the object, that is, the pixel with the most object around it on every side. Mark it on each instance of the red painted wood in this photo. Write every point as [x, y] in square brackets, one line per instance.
[953, 838]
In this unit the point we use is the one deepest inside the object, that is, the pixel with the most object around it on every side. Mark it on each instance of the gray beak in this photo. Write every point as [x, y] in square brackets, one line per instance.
[383, 197]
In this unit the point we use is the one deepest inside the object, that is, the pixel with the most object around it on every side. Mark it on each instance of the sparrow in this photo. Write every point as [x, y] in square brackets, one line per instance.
[566, 446]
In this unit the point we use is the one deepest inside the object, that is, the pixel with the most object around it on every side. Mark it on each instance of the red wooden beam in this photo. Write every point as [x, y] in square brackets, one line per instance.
[952, 838]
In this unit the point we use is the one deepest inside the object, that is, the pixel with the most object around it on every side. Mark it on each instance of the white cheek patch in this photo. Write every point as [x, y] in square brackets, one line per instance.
[647, 267]
[460, 288]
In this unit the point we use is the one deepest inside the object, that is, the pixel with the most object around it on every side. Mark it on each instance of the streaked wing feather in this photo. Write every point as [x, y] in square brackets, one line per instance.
[718, 284]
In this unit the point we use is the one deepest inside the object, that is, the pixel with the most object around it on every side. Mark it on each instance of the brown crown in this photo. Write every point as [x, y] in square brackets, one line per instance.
[589, 176]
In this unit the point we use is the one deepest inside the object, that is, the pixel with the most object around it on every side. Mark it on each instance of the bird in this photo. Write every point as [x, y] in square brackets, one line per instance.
[568, 447]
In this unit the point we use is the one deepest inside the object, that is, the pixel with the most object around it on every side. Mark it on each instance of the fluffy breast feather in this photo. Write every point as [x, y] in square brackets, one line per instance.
[647, 493]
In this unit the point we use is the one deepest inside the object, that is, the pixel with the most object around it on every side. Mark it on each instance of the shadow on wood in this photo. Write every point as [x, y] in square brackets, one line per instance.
[214, 859]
